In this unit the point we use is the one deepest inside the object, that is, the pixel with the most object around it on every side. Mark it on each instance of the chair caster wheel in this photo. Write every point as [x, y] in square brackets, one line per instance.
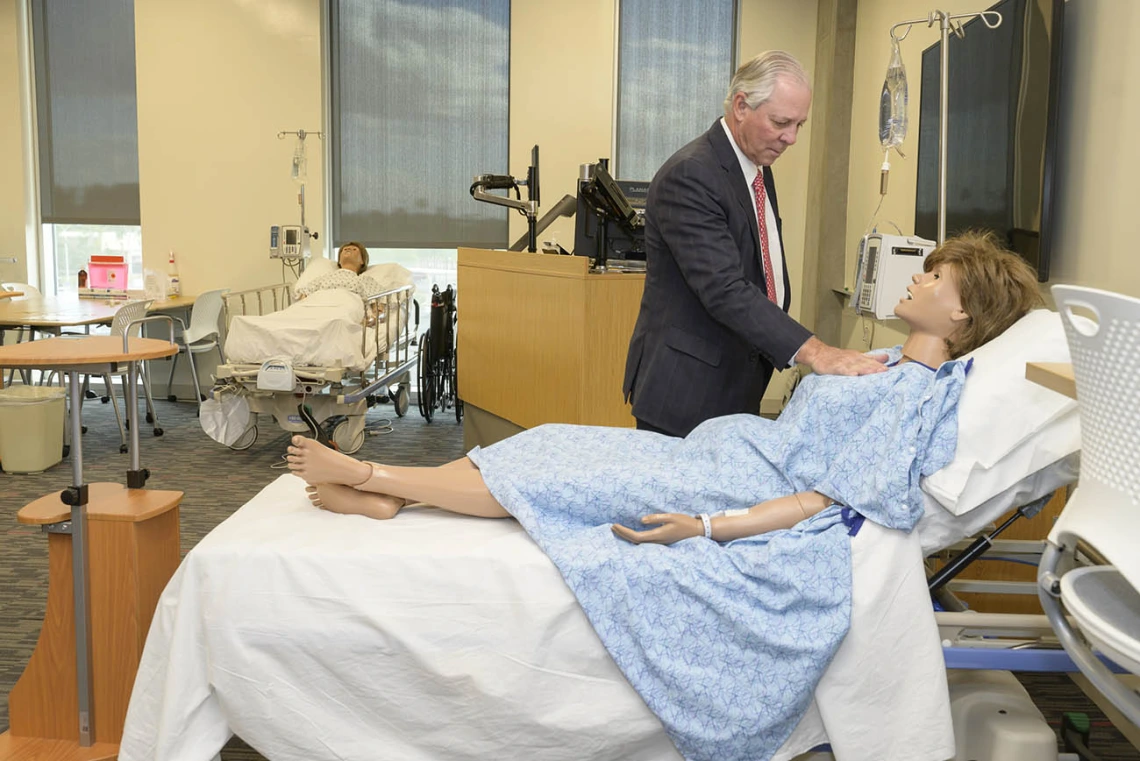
[149, 418]
[90, 394]
[158, 432]
[123, 449]
[104, 399]
[66, 450]
[172, 398]
[83, 429]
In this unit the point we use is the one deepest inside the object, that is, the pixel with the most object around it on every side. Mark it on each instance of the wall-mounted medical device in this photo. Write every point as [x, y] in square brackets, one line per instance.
[288, 242]
[886, 264]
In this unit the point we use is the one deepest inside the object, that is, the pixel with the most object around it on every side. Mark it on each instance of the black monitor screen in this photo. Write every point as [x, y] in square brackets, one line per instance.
[1003, 99]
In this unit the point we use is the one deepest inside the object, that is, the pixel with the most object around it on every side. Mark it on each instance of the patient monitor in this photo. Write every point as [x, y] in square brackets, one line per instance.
[886, 264]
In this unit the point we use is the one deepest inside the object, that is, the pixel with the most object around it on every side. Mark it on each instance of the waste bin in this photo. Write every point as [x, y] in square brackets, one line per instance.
[31, 428]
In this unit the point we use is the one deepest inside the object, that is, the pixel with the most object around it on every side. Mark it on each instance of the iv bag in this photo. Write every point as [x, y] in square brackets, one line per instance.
[892, 103]
[300, 169]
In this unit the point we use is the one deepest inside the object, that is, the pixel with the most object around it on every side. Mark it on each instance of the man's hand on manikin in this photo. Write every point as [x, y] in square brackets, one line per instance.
[829, 360]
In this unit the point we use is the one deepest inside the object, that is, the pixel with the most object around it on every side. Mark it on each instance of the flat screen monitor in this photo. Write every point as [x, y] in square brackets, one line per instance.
[1004, 93]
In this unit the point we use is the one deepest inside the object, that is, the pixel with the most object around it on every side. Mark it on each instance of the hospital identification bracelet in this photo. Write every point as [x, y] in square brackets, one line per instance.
[708, 524]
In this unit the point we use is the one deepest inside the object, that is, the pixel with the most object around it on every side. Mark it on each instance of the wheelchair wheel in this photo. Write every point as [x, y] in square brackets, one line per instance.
[426, 378]
[455, 386]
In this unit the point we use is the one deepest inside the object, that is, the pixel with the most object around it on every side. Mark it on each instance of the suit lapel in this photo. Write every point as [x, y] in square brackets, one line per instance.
[731, 166]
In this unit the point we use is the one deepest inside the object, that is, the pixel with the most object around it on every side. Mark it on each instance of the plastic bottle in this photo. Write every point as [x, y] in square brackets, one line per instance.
[174, 285]
[893, 102]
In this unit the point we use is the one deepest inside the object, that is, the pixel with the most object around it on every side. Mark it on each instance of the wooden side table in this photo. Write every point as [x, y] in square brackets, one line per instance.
[111, 551]
[1055, 375]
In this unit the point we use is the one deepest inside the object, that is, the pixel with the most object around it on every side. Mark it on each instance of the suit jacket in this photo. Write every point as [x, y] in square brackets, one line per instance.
[707, 336]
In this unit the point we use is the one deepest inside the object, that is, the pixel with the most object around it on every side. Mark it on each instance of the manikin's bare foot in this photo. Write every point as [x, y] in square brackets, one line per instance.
[318, 464]
[344, 499]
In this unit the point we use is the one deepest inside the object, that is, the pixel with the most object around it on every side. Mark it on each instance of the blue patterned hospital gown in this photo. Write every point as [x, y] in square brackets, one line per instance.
[726, 642]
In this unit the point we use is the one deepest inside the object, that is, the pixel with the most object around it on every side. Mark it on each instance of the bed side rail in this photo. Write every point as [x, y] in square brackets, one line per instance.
[257, 301]
[391, 321]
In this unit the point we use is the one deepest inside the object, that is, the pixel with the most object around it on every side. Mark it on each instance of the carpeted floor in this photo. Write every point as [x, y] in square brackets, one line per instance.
[216, 481]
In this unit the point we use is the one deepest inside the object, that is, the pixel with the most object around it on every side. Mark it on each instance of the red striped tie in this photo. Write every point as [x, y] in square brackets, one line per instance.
[762, 222]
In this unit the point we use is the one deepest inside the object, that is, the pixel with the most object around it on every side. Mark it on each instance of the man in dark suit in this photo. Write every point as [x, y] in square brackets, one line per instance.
[713, 320]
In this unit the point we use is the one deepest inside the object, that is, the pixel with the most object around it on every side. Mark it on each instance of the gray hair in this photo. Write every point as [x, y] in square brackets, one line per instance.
[757, 78]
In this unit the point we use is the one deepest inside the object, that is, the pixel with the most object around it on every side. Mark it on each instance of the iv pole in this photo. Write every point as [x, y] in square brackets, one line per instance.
[301, 135]
[948, 23]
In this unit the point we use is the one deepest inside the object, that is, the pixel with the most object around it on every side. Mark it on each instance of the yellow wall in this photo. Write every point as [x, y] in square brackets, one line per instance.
[11, 148]
[213, 175]
[1099, 162]
[217, 80]
[562, 91]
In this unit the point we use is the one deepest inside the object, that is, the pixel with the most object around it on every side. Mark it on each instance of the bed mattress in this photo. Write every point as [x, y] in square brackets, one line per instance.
[324, 330]
[313, 635]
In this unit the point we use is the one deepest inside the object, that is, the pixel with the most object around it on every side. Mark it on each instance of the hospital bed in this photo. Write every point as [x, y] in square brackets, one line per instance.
[434, 636]
[313, 364]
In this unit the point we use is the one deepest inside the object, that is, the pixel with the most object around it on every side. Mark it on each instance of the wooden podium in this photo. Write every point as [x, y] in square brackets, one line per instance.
[111, 551]
[541, 339]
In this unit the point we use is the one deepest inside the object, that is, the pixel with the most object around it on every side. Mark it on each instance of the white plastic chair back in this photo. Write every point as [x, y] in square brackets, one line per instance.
[128, 313]
[24, 288]
[205, 316]
[1104, 510]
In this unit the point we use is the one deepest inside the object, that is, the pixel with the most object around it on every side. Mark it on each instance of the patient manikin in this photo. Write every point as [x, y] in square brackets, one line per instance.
[758, 582]
[352, 261]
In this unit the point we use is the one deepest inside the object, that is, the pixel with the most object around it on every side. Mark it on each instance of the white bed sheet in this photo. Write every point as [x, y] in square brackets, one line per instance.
[433, 636]
[323, 330]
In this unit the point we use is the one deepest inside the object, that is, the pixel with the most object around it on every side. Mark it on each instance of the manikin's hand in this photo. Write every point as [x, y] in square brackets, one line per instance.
[828, 360]
[674, 527]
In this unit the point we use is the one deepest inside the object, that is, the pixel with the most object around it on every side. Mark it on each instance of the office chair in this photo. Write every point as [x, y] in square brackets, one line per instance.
[1091, 567]
[125, 315]
[203, 334]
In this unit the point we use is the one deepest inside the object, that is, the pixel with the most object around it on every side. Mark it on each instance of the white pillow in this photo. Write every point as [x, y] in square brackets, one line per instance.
[314, 269]
[389, 275]
[1008, 427]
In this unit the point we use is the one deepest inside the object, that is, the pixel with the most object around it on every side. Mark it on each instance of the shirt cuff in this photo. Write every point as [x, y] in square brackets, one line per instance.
[792, 361]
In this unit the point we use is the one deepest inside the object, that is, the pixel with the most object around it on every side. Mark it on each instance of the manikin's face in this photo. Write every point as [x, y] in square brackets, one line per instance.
[765, 132]
[351, 258]
[932, 302]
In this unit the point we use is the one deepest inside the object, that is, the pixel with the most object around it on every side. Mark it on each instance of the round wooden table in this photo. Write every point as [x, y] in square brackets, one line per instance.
[47, 711]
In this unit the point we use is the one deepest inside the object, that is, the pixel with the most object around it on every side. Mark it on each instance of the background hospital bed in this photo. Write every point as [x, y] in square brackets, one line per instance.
[339, 368]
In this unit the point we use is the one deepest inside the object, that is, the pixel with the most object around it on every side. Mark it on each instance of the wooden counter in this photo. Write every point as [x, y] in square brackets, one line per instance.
[542, 340]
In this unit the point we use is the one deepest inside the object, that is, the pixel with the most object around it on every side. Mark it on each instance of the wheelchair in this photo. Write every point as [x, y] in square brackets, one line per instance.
[439, 391]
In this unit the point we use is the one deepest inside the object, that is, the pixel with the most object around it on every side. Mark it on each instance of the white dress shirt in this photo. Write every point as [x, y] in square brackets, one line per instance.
[775, 251]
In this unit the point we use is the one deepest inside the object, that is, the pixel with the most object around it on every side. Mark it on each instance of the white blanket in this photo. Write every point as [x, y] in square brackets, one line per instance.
[324, 330]
[433, 636]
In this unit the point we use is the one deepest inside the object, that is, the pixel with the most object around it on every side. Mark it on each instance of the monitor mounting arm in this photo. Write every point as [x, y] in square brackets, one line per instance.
[483, 183]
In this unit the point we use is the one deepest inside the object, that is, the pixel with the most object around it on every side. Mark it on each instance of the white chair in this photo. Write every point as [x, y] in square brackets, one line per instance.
[124, 316]
[1091, 565]
[203, 334]
[22, 334]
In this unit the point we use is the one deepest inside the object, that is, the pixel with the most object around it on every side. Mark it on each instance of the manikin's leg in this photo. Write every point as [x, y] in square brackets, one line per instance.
[455, 487]
[344, 499]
